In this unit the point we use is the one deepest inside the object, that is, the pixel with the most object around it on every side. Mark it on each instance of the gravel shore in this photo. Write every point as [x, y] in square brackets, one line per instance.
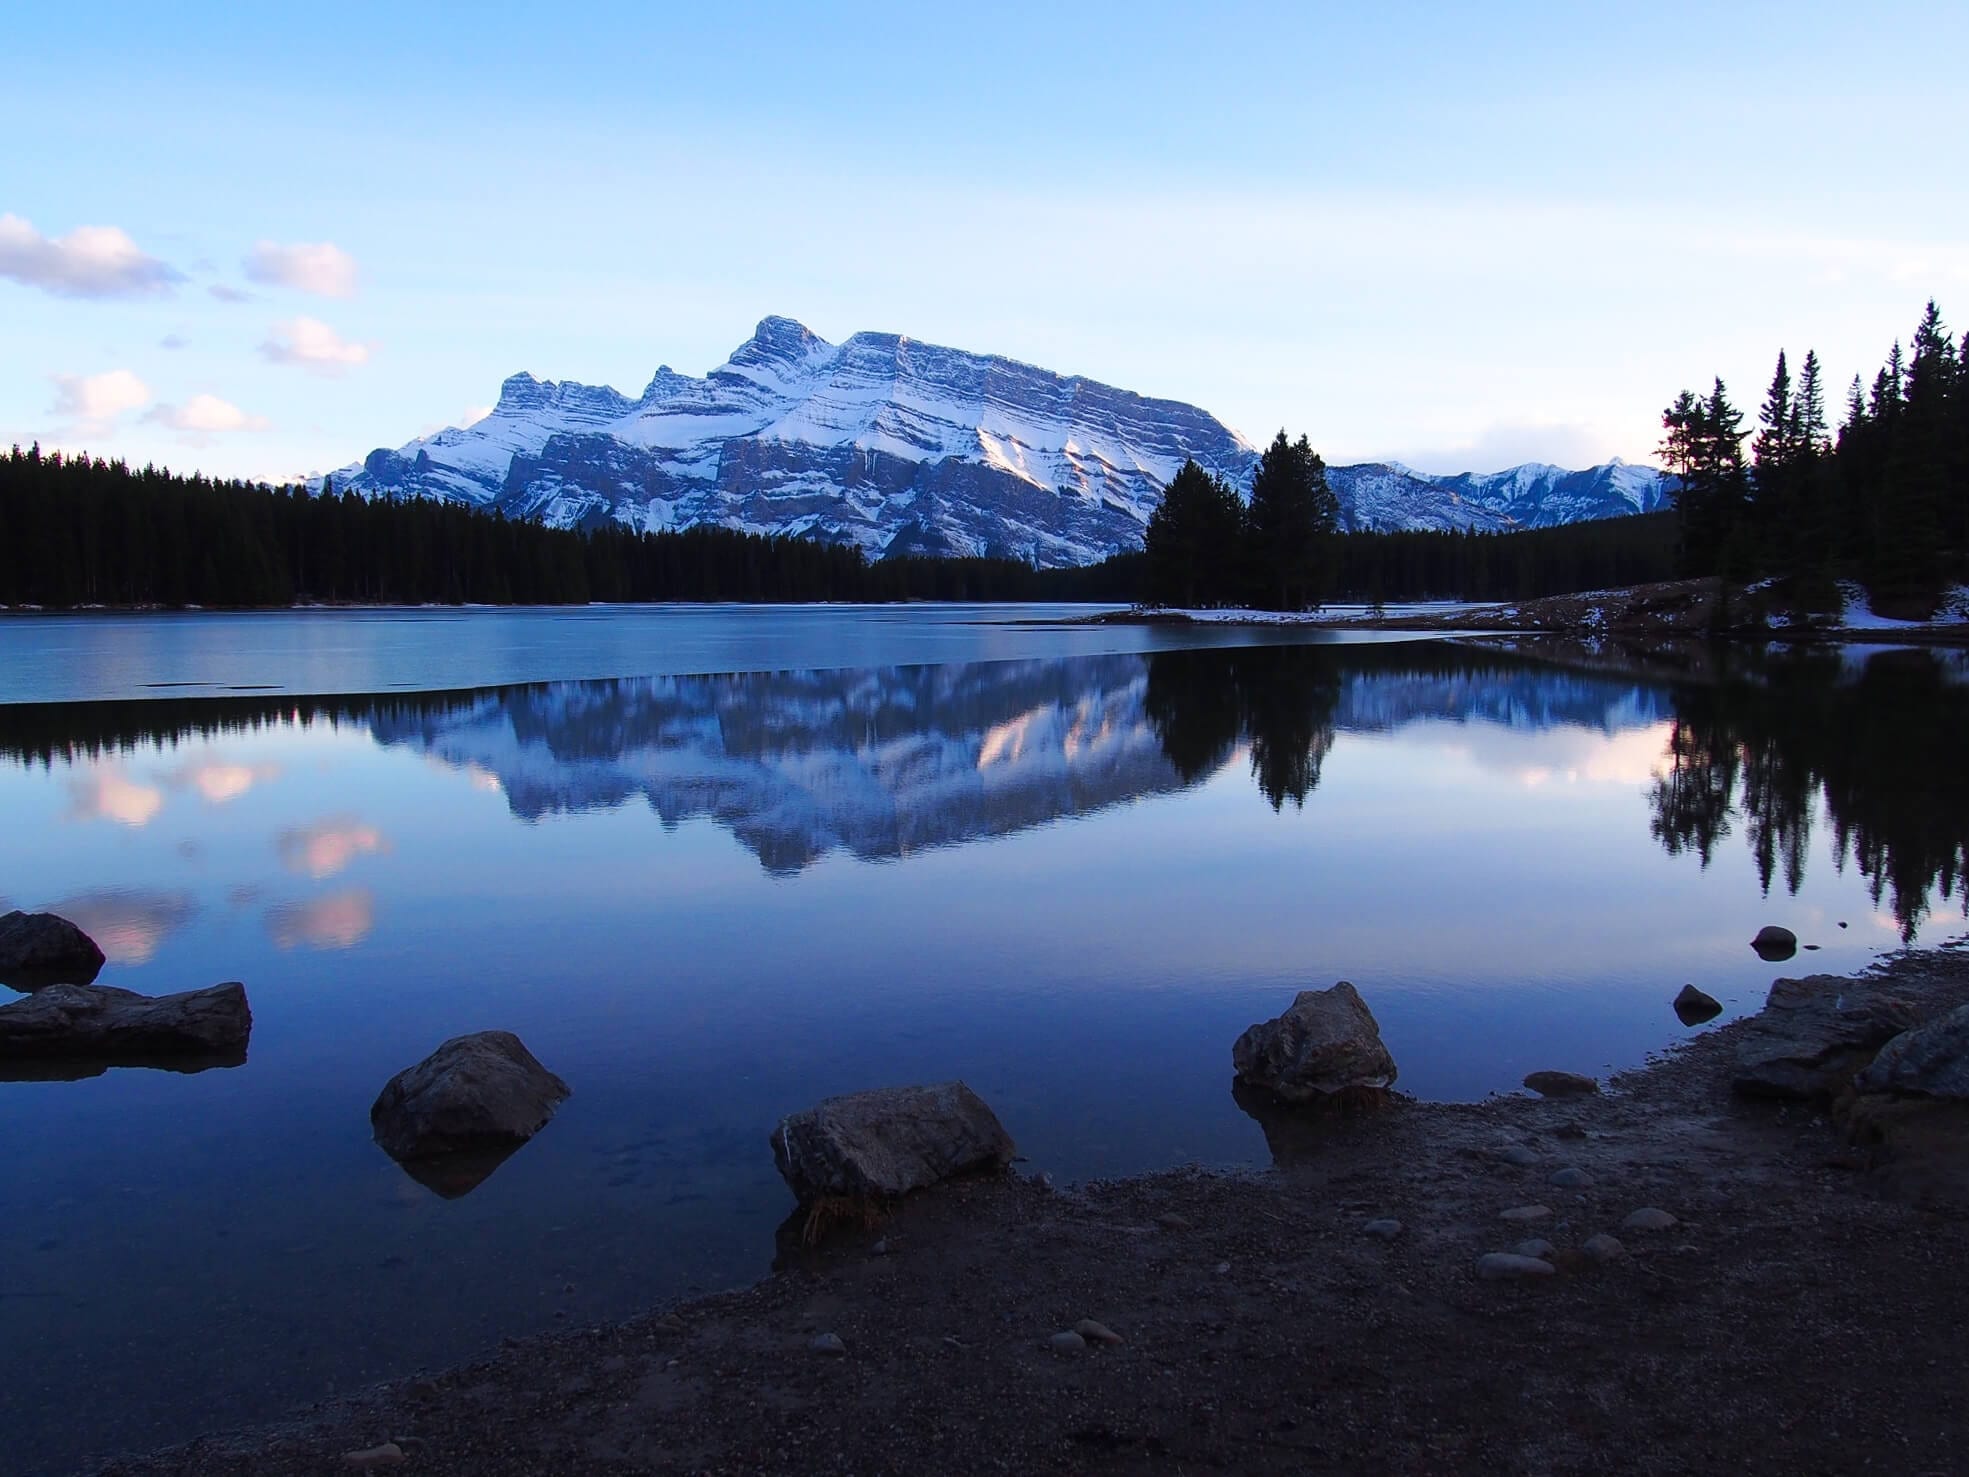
[1802, 1313]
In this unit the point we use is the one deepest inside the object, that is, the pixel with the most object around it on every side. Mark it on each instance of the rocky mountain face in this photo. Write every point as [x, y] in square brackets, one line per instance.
[905, 447]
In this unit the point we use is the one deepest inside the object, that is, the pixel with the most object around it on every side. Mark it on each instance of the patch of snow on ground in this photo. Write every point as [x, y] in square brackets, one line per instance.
[1954, 611]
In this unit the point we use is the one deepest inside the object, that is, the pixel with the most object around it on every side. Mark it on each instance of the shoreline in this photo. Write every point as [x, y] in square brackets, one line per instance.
[1803, 1313]
[1686, 609]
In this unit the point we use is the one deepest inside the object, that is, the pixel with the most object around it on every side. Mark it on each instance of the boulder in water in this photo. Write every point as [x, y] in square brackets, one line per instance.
[1326, 1045]
[1775, 944]
[473, 1093]
[118, 1027]
[44, 949]
[1693, 1006]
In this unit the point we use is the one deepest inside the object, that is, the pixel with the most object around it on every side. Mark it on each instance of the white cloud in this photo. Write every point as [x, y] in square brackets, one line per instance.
[90, 261]
[474, 414]
[312, 344]
[93, 402]
[1508, 444]
[226, 294]
[173, 341]
[322, 267]
[206, 414]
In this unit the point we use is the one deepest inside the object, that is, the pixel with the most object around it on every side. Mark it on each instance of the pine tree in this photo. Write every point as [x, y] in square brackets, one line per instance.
[1808, 424]
[1290, 526]
[1778, 418]
[1195, 540]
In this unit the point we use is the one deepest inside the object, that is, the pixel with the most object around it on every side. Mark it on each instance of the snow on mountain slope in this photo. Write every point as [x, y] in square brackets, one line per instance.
[905, 447]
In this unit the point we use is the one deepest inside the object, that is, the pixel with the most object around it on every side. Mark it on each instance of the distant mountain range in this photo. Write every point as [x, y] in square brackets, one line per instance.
[904, 447]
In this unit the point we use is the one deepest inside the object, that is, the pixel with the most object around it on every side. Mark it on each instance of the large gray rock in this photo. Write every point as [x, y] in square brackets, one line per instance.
[888, 1141]
[473, 1093]
[1931, 1060]
[1327, 1043]
[43, 949]
[94, 1021]
[1813, 1035]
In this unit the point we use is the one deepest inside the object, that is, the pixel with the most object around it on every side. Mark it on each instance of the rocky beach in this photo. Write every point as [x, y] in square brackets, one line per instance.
[1696, 1268]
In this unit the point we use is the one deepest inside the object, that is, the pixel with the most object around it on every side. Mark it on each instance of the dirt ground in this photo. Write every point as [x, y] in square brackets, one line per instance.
[1805, 1314]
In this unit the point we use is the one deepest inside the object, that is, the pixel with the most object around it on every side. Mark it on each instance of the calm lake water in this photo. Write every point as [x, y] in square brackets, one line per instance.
[1066, 864]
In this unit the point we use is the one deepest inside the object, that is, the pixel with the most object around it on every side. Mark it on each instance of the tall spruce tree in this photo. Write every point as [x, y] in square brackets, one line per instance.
[1775, 457]
[1703, 445]
[1195, 541]
[1290, 527]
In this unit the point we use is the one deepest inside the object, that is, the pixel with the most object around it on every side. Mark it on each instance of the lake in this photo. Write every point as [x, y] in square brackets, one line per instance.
[713, 865]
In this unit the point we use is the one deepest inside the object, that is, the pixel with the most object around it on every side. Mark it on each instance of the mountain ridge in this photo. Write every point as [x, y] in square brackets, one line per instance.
[900, 446]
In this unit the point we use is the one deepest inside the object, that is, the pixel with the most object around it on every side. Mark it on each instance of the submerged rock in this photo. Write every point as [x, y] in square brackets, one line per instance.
[120, 1026]
[471, 1094]
[1930, 1061]
[888, 1141]
[1561, 1084]
[1813, 1034]
[43, 949]
[1327, 1044]
[1693, 1007]
[1775, 944]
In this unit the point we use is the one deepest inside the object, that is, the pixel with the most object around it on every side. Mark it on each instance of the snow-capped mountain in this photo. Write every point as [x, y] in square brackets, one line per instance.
[904, 447]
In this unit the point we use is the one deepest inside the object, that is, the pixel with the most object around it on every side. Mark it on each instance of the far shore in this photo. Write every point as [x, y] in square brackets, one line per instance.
[1803, 1311]
[1682, 608]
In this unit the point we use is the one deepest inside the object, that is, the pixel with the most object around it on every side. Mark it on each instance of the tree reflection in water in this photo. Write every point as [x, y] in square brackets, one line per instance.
[1884, 751]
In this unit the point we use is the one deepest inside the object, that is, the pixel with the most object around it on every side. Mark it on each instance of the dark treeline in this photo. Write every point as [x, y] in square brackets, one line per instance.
[45, 733]
[1884, 502]
[1596, 555]
[81, 531]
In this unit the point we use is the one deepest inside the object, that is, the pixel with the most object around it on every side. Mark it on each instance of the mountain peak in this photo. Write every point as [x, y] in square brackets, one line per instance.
[779, 340]
[523, 392]
[894, 444]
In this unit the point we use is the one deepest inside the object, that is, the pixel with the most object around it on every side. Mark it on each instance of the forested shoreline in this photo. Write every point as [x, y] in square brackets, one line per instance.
[1884, 501]
[84, 532]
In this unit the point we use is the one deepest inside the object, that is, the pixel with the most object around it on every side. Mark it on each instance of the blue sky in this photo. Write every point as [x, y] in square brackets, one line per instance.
[1459, 236]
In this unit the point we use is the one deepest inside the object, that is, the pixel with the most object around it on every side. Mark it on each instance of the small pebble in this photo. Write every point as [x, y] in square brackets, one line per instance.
[1603, 1248]
[1222, 1268]
[1096, 1332]
[1504, 1266]
[1648, 1219]
[1522, 1213]
[1519, 1155]
[1170, 1221]
[1570, 1178]
[880, 1248]
[389, 1454]
[1387, 1228]
[1542, 1250]
[1066, 1341]
[828, 1343]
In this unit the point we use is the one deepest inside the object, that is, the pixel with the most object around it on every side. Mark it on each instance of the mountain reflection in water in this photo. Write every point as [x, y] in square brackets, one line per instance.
[890, 761]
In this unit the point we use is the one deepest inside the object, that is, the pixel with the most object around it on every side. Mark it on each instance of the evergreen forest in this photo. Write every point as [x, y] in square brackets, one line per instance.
[1882, 500]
